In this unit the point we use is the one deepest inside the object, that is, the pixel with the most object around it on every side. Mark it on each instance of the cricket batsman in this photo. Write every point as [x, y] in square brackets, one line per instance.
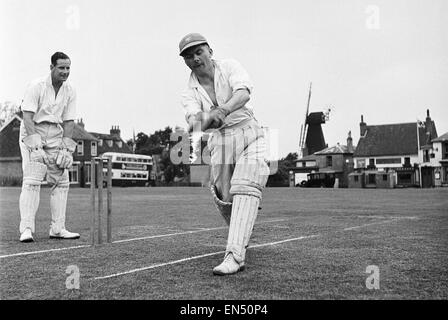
[46, 146]
[217, 98]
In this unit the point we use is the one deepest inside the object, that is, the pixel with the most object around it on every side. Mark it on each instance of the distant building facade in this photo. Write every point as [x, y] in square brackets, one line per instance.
[10, 157]
[391, 152]
[330, 165]
[434, 162]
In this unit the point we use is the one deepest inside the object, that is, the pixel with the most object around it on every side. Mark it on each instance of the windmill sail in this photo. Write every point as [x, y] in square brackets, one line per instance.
[303, 128]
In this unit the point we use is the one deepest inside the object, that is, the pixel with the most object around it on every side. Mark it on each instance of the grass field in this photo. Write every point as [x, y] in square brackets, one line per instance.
[307, 244]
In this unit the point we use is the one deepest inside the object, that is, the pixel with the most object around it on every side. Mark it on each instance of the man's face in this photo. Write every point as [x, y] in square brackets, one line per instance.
[61, 70]
[198, 58]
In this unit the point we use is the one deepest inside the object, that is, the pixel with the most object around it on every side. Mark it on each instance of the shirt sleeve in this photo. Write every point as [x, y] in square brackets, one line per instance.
[190, 103]
[238, 77]
[31, 99]
[70, 109]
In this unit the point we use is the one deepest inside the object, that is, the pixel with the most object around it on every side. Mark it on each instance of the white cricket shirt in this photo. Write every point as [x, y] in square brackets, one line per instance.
[40, 99]
[230, 76]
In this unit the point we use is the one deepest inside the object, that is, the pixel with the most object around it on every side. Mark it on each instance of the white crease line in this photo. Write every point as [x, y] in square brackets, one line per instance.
[283, 241]
[388, 217]
[158, 265]
[370, 224]
[221, 252]
[187, 232]
[199, 257]
[126, 240]
[167, 235]
[42, 251]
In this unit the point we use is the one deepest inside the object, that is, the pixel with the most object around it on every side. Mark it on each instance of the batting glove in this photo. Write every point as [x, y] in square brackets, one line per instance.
[64, 159]
[34, 144]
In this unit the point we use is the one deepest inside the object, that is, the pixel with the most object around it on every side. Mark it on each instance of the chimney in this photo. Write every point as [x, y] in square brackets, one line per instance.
[428, 122]
[80, 123]
[115, 131]
[362, 127]
[428, 128]
[350, 142]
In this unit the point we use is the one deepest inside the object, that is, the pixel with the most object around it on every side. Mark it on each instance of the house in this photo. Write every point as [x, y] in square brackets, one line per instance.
[91, 145]
[10, 157]
[434, 162]
[371, 179]
[304, 166]
[337, 161]
[392, 148]
[325, 167]
[111, 142]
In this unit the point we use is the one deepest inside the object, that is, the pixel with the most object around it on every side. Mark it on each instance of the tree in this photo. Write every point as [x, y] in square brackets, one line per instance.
[7, 110]
[159, 143]
[281, 177]
[290, 159]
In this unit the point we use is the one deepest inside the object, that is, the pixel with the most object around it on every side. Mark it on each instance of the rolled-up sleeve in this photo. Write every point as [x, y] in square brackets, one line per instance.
[238, 76]
[31, 99]
[190, 103]
[69, 112]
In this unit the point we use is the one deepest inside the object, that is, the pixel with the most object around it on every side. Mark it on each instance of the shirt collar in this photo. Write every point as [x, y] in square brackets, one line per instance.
[49, 83]
[194, 82]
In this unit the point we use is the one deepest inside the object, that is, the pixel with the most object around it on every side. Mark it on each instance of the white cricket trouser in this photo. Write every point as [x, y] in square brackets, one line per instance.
[51, 135]
[239, 172]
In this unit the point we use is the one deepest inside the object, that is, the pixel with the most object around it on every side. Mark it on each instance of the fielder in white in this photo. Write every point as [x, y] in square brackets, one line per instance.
[46, 145]
[217, 98]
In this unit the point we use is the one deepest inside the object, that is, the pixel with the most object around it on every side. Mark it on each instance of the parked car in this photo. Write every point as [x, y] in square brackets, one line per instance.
[319, 180]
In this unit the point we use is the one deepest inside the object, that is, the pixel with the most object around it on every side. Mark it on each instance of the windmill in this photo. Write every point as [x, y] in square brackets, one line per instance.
[311, 138]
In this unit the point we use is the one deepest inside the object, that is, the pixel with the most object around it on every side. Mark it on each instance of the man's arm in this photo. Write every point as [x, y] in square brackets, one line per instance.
[237, 101]
[68, 127]
[28, 122]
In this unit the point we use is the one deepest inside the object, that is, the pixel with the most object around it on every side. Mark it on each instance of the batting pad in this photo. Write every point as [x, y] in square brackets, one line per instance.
[249, 178]
[58, 205]
[34, 173]
[28, 205]
[244, 213]
[224, 208]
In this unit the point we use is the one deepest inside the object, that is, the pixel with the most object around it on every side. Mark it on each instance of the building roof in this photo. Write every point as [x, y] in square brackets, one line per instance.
[442, 138]
[79, 133]
[106, 136]
[6, 124]
[337, 149]
[9, 139]
[392, 139]
[104, 147]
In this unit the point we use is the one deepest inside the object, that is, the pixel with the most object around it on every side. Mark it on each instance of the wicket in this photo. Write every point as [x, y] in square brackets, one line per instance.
[97, 179]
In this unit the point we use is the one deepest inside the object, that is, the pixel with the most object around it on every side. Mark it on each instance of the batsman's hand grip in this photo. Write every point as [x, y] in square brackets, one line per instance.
[199, 122]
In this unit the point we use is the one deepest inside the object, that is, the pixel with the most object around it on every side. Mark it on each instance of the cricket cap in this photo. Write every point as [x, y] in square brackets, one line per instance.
[191, 40]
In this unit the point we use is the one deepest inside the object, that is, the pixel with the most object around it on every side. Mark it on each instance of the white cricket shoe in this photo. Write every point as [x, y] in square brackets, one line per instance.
[26, 236]
[64, 234]
[228, 266]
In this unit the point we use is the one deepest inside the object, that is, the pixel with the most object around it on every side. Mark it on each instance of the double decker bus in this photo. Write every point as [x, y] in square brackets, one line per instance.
[129, 169]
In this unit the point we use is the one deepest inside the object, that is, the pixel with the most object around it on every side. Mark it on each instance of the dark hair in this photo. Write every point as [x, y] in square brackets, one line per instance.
[56, 56]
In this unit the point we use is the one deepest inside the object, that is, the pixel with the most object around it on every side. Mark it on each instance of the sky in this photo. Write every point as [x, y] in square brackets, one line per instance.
[386, 60]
